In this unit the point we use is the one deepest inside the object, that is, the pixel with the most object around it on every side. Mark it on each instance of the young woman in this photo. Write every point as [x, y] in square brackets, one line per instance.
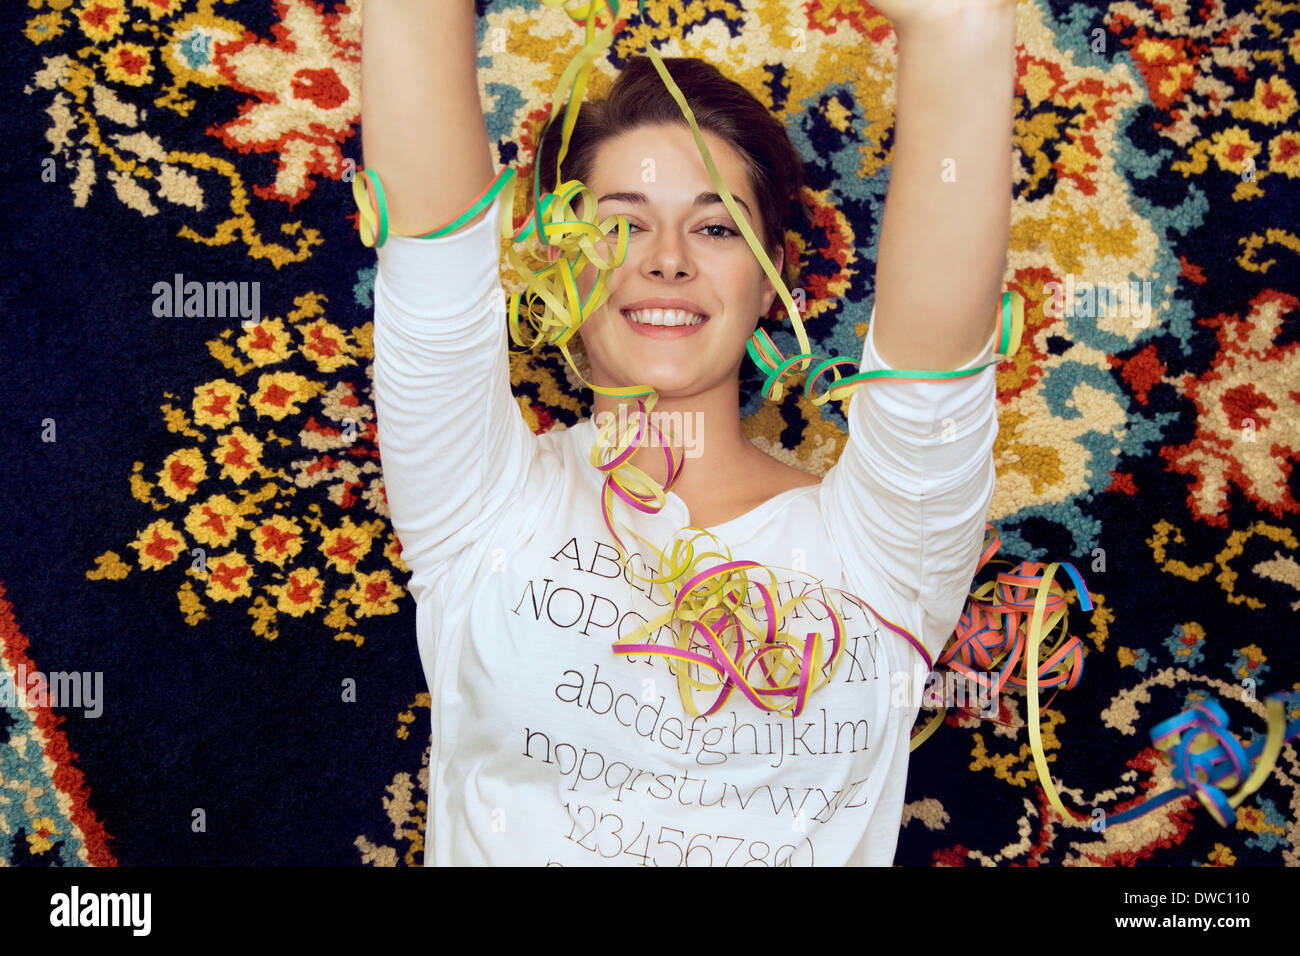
[548, 747]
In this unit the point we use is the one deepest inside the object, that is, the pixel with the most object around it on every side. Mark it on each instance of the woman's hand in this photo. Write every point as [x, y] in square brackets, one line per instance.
[910, 15]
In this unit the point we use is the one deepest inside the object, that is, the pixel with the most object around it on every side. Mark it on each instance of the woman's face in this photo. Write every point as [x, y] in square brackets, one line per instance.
[676, 250]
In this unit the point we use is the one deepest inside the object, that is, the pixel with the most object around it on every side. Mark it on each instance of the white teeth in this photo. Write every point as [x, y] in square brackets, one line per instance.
[664, 317]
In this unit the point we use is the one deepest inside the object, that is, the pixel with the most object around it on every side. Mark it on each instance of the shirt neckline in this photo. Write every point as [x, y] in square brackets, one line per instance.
[737, 529]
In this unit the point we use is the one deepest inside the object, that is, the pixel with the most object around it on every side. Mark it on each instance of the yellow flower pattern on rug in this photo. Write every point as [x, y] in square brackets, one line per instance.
[231, 517]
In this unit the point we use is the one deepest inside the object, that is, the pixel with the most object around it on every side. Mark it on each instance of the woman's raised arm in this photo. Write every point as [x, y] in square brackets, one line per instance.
[454, 447]
[947, 216]
[422, 124]
[908, 498]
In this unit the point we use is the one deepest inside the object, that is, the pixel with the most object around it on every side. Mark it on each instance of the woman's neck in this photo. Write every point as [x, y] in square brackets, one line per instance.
[704, 433]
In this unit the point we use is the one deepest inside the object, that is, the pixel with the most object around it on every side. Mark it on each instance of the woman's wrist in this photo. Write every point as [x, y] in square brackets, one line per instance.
[961, 22]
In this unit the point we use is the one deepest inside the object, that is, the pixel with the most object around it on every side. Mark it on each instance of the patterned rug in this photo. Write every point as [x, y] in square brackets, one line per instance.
[200, 589]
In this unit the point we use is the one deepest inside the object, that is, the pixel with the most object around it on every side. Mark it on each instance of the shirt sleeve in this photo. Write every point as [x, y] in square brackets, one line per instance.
[908, 499]
[452, 443]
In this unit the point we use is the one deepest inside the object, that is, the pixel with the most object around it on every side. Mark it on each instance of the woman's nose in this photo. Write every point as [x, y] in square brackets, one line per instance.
[667, 255]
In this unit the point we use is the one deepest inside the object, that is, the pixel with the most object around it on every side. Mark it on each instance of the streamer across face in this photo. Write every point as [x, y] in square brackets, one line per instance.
[686, 259]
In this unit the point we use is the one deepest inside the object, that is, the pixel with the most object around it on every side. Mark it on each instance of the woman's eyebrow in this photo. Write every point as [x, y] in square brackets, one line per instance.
[703, 199]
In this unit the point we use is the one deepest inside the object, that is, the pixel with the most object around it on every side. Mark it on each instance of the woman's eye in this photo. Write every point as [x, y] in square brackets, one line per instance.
[727, 231]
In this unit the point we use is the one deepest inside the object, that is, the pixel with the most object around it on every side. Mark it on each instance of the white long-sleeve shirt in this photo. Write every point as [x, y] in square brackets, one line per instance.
[549, 748]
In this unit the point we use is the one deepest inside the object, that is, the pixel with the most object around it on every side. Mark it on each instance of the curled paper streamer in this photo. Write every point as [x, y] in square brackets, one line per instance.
[712, 600]
[1207, 758]
[1205, 753]
[1003, 629]
[1002, 626]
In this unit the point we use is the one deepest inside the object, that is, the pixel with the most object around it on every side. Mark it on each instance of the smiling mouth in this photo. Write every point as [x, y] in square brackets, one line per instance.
[663, 318]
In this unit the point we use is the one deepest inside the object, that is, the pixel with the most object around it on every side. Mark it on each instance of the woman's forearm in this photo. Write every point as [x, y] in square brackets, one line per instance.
[421, 120]
[947, 215]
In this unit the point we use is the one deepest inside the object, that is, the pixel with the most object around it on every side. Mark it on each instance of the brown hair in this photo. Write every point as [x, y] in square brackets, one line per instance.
[722, 106]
